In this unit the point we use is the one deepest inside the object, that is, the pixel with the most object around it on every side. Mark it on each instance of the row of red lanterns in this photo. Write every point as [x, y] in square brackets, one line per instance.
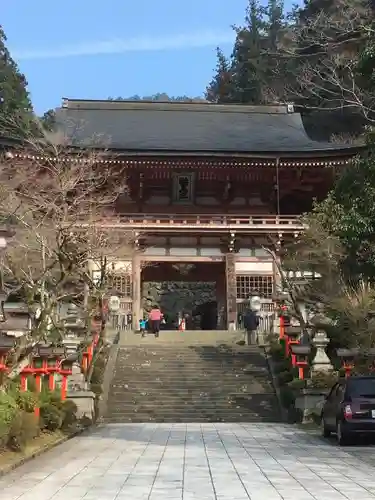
[47, 360]
[288, 335]
[299, 353]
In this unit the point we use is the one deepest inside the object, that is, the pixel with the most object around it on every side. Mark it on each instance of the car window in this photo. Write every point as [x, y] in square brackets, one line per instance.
[361, 387]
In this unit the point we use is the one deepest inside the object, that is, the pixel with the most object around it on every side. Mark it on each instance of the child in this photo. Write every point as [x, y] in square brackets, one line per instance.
[142, 327]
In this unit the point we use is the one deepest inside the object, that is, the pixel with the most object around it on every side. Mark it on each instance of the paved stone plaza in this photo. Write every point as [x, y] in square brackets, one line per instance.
[196, 461]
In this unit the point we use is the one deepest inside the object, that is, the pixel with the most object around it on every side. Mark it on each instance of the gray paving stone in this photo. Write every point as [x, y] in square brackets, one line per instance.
[222, 461]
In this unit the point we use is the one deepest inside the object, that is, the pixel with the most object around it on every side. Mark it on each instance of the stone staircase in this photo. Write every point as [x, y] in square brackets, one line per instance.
[206, 378]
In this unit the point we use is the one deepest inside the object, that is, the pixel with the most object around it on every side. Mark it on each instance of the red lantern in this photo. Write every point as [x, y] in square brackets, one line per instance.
[301, 355]
[292, 333]
[347, 359]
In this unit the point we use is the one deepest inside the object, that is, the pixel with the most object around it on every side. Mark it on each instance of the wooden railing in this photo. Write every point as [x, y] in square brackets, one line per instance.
[263, 223]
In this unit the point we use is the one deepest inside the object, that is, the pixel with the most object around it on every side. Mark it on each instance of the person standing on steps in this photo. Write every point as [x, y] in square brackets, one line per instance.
[154, 318]
[251, 323]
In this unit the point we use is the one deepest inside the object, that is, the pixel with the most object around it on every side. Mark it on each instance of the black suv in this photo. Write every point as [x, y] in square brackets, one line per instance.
[349, 409]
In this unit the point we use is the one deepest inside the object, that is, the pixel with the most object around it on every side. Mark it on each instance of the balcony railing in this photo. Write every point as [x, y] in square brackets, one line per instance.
[238, 223]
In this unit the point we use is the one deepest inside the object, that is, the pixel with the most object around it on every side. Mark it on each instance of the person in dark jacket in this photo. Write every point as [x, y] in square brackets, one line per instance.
[251, 323]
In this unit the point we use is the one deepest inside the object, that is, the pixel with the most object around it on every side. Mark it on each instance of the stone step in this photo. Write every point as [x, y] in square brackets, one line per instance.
[183, 392]
[191, 383]
[229, 417]
[176, 408]
[187, 337]
[180, 409]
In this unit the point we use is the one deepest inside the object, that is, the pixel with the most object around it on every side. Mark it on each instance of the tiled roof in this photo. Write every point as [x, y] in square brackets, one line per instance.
[185, 127]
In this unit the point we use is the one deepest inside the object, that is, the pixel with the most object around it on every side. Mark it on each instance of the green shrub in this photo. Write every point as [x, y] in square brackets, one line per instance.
[8, 411]
[23, 429]
[296, 384]
[27, 401]
[284, 377]
[99, 368]
[69, 414]
[276, 351]
[282, 366]
[53, 398]
[51, 417]
[287, 397]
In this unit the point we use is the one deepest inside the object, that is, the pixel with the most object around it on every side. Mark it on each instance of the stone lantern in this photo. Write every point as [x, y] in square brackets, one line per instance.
[76, 329]
[320, 340]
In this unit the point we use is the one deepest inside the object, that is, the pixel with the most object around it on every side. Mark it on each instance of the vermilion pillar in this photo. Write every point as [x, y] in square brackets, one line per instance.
[64, 387]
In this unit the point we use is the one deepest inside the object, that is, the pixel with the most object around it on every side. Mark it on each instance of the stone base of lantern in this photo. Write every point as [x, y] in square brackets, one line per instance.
[76, 381]
[310, 402]
[85, 402]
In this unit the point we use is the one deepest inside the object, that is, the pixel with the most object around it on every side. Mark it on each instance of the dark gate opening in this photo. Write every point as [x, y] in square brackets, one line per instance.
[193, 290]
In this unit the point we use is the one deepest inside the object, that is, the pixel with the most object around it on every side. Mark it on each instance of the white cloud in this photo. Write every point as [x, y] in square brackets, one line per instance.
[122, 46]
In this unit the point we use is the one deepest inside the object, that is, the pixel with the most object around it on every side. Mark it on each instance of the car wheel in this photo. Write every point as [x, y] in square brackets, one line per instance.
[342, 438]
[325, 431]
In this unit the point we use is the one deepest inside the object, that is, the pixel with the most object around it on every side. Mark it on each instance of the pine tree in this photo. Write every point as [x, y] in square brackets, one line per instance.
[246, 78]
[220, 88]
[275, 28]
[247, 58]
[275, 23]
[15, 104]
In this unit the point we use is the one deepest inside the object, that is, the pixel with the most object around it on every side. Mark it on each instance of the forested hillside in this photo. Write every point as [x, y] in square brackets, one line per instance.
[319, 56]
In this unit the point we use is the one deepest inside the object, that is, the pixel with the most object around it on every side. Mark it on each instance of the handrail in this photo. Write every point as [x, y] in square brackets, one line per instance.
[216, 219]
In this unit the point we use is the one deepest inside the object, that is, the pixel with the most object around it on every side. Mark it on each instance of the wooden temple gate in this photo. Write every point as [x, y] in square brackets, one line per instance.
[204, 181]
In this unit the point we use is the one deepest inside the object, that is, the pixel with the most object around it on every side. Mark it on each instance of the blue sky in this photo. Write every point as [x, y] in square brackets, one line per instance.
[94, 49]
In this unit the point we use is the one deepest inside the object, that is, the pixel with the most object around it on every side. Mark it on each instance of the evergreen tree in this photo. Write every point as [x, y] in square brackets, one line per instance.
[275, 29]
[15, 104]
[275, 23]
[247, 77]
[220, 88]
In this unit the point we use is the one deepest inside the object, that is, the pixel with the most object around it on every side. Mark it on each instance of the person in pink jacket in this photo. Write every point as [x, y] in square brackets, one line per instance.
[154, 319]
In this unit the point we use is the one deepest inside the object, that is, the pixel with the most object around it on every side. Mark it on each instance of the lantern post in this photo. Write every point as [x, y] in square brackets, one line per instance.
[347, 357]
[292, 334]
[282, 312]
[301, 356]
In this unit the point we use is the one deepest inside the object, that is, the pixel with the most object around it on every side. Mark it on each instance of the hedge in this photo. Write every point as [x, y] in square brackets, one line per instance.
[18, 423]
